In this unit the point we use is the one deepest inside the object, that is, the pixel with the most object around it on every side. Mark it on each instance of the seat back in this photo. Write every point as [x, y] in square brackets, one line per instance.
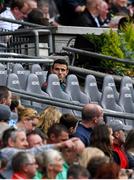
[126, 102]
[13, 81]
[54, 90]
[3, 75]
[91, 89]
[108, 102]
[109, 81]
[22, 74]
[126, 81]
[33, 86]
[73, 89]
[36, 69]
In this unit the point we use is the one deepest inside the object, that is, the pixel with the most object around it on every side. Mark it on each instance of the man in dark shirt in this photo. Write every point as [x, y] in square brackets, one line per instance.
[60, 68]
[92, 115]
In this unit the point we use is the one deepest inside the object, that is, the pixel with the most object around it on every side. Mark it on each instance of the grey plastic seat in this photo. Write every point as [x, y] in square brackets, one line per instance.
[22, 74]
[13, 81]
[36, 69]
[73, 89]
[108, 102]
[109, 81]
[33, 86]
[3, 75]
[126, 102]
[126, 81]
[54, 90]
[91, 89]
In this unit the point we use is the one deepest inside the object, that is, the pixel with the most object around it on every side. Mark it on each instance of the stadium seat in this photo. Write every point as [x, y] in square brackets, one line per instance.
[126, 81]
[13, 81]
[3, 75]
[36, 69]
[109, 81]
[22, 74]
[91, 89]
[54, 90]
[73, 89]
[108, 102]
[126, 102]
[33, 86]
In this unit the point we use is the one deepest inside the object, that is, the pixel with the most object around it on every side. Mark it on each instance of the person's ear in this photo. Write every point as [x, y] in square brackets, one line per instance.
[52, 137]
[10, 142]
[116, 134]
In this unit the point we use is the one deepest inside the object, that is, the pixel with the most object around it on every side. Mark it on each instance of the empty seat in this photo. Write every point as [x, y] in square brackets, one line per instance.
[13, 81]
[126, 81]
[109, 81]
[54, 90]
[108, 102]
[22, 74]
[3, 75]
[36, 69]
[73, 89]
[91, 89]
[33, 86]
[126, 102]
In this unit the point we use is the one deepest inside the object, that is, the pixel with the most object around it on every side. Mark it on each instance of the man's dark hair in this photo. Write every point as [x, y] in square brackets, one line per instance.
[6, 135]
[56, 129]
[60, 61]
[68, 120]
[75, 171]
[4, 92]
[17, 3]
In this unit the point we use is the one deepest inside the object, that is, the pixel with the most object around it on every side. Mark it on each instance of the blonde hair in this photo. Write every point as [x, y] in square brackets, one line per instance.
[88, 153]
[27, 112]
[48, 117]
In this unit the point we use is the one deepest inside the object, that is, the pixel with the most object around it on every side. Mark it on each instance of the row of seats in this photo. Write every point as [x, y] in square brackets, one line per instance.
[108, 98]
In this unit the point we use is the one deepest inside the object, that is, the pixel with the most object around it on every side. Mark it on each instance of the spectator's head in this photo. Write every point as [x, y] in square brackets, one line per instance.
[93, 7]
[5, 96]
[34, 139]
[76, 171]
[36, 16]
[25, 164]
[102, 138]
[108, 171]
[89, 153]
[60, 68]
[48, 117]
[20, 9]
[57, 133]
[92, 114]
[121, 3]
[27, 117]
[50, 162]
[103, 9]
[69, 121]
[129, 143]
[14, 138]
[119, 129]
[95, 163]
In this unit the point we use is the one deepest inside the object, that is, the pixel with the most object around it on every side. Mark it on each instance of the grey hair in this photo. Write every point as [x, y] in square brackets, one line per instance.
[13, 135]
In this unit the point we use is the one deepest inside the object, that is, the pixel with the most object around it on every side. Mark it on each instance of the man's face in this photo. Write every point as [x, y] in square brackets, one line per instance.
[60, 70]
[22, 13]
[8, 100]
[21, 141]
[34, 140]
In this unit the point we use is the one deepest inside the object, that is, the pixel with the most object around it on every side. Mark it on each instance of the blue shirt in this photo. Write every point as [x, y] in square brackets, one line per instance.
[84, 134]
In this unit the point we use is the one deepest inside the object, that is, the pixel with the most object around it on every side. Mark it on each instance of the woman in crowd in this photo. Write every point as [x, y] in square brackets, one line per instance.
[48, 117]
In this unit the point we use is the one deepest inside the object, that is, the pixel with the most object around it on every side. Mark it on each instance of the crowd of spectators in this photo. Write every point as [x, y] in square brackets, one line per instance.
[52, 145]
[87, 13]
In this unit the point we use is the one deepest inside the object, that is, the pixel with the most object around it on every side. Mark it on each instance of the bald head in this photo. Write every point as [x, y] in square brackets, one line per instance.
[91, 111]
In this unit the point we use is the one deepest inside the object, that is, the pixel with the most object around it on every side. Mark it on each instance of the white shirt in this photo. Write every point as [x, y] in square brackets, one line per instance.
[7, 25]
